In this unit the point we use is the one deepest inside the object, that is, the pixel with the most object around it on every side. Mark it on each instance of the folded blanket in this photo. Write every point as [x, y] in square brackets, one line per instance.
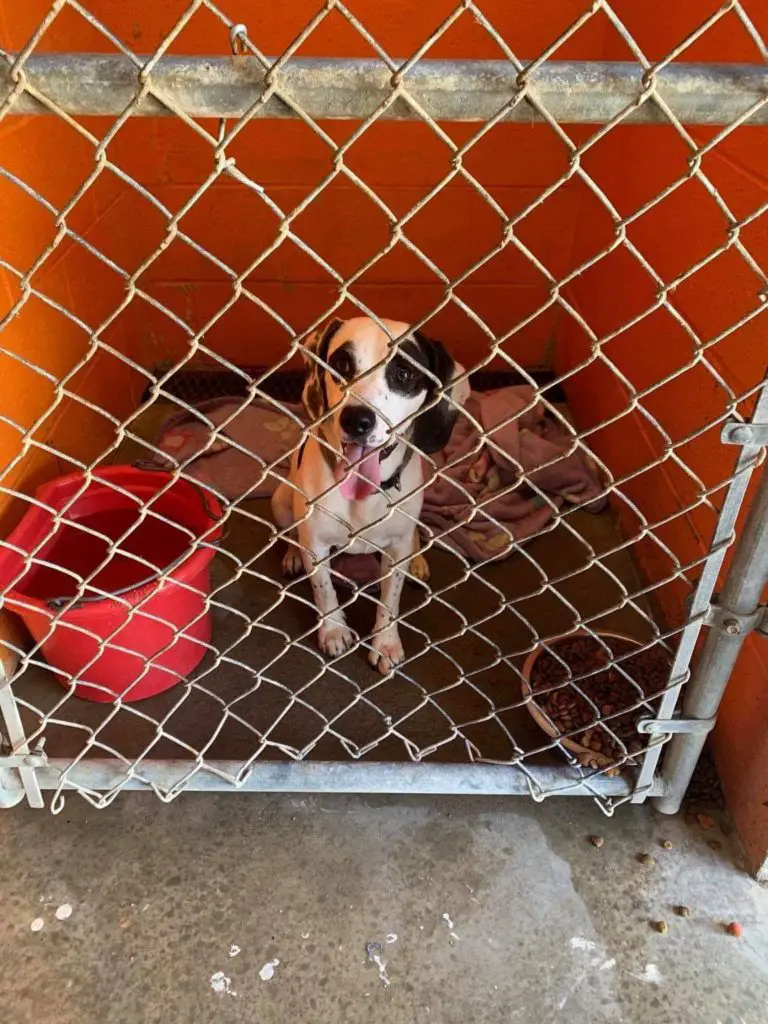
[505, 483]
[487, 489]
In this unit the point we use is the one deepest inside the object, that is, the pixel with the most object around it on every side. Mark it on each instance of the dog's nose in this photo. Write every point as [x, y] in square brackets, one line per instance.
[357, 421]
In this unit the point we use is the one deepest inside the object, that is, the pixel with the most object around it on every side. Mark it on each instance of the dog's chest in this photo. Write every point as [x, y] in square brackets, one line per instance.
[362, 527]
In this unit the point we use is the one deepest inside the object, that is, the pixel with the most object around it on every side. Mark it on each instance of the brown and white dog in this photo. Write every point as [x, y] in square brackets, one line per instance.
[355, 481]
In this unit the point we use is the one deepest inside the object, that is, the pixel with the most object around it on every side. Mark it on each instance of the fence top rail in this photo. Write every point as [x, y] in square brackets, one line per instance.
[586, 92]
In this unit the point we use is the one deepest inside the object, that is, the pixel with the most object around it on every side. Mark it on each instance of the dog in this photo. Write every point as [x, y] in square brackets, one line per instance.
[377, 396]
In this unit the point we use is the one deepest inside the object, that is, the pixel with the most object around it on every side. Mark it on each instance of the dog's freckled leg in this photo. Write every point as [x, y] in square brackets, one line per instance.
[387, 648]
[334, 636]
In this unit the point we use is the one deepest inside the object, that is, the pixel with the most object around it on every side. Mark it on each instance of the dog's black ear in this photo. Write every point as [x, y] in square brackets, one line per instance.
[314, 394]
[432, 429]
[319, 341]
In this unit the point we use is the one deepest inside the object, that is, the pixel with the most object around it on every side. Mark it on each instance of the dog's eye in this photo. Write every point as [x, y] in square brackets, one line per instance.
[405, 375]
[341, 363]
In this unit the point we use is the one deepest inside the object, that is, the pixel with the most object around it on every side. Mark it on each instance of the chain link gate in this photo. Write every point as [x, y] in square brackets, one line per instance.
[293, 706]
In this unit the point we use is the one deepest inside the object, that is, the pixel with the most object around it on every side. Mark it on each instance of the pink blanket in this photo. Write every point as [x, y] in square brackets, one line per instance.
[485, 490]
[513, 476]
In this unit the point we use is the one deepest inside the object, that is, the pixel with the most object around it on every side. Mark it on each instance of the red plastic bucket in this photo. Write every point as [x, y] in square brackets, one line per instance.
[98, 637]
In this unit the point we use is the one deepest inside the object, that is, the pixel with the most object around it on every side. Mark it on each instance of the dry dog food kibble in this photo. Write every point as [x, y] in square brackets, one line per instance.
[577, 686]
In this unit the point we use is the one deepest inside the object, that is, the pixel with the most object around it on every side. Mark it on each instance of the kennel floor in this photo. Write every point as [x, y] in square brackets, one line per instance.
[275, 697]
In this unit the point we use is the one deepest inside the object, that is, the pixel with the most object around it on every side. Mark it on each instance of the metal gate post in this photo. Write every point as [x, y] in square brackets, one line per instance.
[11, 789]
[738, 609]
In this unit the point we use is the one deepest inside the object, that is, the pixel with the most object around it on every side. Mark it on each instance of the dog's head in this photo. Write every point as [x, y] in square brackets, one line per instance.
[367, 386]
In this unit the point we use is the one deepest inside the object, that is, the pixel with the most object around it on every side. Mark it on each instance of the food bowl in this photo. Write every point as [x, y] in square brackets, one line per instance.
[578, 729]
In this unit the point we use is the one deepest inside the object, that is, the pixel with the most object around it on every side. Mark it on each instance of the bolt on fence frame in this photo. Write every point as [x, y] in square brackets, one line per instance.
[484, 91]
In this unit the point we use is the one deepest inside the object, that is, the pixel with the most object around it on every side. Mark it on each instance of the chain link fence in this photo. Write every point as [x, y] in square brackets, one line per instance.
[542, 656]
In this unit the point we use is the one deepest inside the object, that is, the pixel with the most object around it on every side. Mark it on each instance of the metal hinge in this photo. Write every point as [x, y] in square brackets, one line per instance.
[34, 759]
[667, 726]
[745, 433]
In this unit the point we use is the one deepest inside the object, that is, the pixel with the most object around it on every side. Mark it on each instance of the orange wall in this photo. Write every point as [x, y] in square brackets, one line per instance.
[402, 162]
[40, 344]
[631, 167]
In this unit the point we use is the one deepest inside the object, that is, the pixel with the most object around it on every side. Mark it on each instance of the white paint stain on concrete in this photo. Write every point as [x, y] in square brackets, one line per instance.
[592, 961]
[234, 949]
[267, 972]
[382, 967]
[305, 935]
[64, 912]
[449, 922]
[392, 937]
[652, 975]
[37, 924]
[221, 984]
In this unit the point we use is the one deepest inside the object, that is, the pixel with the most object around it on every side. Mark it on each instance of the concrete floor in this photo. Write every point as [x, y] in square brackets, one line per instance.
[408, 910]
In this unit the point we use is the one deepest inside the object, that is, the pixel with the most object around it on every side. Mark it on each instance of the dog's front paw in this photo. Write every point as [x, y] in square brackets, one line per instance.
[334, 639]
[387, 651]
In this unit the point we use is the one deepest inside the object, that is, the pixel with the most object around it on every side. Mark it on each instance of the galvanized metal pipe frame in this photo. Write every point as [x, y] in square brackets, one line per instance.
[585, 92]
[698, 616]
[104, 774]
[743, 588]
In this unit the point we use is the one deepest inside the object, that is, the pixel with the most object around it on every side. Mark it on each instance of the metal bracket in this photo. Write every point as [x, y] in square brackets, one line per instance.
[668, 726]
[37, 760]
[31, 759]
[734, 624]
[745, 433]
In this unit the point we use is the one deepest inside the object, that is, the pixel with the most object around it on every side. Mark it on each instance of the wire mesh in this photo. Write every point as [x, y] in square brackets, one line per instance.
[462, 693]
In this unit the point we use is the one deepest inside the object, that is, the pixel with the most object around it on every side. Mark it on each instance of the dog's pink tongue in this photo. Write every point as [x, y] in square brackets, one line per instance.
[365, 474]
